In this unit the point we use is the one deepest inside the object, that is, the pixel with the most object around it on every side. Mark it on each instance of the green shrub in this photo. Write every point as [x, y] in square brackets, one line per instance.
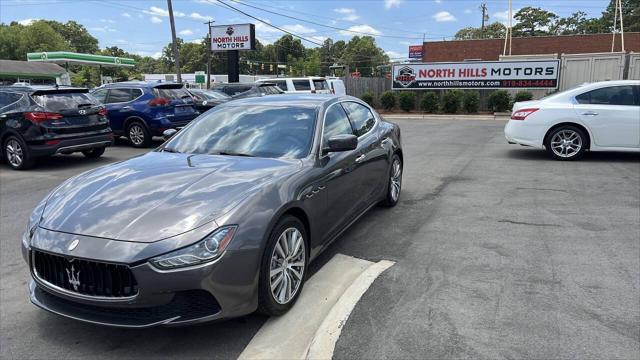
[388, 100]
[429, 102]
[523, 96]
[368, 98]
[407, 100]
[471, 101]
[499, 101]
[451, 101]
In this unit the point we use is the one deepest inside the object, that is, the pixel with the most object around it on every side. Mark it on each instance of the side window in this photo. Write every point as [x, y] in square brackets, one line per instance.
[336, 122]
[301, 85]
[361, 117]
[100, 95]
[614, 95]
[118, 96]
[282, 84]
[135, 93]
[8, 98]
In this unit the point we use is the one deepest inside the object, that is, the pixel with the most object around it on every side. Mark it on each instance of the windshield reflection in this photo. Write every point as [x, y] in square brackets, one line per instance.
[258, 130]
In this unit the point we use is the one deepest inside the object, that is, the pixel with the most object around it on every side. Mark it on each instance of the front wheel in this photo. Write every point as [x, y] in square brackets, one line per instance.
[566, 143]
[394, 183]
[282, 272]
[93, 153]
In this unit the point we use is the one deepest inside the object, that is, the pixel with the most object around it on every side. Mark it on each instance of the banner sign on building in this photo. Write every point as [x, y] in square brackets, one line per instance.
[476, 75]
[415, 51]
[233, 37]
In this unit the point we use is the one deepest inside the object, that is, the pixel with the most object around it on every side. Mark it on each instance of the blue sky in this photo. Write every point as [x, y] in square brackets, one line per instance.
[142, 26]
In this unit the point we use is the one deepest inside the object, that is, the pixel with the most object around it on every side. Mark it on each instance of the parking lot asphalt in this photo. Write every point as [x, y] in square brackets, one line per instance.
[500, 253]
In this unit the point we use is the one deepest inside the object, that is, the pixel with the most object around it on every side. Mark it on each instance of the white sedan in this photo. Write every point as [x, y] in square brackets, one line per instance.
[603, 116]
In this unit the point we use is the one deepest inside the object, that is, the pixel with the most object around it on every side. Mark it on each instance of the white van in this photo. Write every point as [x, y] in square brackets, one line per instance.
[309, 85]
[336, 86]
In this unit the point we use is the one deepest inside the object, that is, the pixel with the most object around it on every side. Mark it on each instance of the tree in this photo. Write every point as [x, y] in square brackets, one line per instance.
[17, 40]
[533, 21]
[363, 54]
[630, 15]
[76, 36]
[495, 30]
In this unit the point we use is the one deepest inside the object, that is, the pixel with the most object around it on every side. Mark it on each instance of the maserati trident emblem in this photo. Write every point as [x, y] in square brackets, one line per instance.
[82, 112]
[73, 245]
[74, 278]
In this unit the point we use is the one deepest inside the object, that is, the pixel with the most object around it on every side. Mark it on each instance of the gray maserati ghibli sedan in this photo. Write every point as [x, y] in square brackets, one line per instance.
[220, 221]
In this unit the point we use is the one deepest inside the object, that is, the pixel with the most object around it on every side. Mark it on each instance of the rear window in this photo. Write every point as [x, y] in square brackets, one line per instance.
[269, 90]
[8, 98]
[233, 90]
[320, 84]
[171, 94]
[64, 101]
[302, 85]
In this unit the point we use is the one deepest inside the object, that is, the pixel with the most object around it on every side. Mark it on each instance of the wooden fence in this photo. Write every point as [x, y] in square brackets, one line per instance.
[357, 86]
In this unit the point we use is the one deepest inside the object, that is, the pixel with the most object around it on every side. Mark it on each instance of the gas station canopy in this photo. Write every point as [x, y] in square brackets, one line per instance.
[65, 57]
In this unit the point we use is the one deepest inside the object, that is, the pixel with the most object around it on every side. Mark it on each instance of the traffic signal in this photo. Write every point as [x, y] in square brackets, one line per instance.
[262, 67]
[270, 67]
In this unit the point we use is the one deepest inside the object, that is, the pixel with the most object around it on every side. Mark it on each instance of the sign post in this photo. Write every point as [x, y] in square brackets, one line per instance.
[537, 74]
[232, 39]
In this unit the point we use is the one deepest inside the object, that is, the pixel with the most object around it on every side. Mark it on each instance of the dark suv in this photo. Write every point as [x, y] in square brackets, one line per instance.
[45, 120]
[140, 110]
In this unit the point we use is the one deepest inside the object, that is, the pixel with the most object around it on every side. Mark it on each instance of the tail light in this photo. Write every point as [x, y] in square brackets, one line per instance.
[522, 113]
[159, 102]
[102, 112]
[38, 116]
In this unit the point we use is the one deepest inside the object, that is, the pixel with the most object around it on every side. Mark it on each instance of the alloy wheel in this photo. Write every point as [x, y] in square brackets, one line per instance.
[14, 152]
[396, 180]
[136, 134]
[287, 265]
[566, 143]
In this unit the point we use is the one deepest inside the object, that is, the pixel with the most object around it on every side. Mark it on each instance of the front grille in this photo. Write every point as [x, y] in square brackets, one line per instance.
[189, 305]
[85, 277]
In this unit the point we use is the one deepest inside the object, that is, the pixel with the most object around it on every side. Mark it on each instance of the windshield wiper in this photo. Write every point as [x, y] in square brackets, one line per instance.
[230, 153]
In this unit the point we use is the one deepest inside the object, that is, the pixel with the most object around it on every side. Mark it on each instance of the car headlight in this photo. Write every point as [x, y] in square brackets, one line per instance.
[205, 250]
[34, 221]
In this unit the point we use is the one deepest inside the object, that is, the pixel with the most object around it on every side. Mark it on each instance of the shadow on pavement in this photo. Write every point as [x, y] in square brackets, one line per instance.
[607, 156]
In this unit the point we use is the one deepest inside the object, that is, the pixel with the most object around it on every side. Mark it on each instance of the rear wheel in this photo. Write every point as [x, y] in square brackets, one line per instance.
[16, 153]
[94, 153]
[566, 143]
[138, 134]
[282, 272]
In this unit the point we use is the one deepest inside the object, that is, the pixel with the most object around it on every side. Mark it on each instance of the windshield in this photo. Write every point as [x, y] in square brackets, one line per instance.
[64, 101]
[263, 131]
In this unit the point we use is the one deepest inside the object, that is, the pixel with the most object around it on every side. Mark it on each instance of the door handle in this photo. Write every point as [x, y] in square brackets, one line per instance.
[360, 158]
[126, 108]
[590, 113]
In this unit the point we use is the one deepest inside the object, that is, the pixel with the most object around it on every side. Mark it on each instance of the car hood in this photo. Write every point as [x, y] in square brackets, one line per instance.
[157, 195]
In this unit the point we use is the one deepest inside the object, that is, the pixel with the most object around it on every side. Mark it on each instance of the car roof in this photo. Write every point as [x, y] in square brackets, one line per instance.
[138, 84]
[294, 99]
[34, 88]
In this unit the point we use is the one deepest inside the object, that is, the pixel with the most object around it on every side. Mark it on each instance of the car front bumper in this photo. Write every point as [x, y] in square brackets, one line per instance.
[224, 288]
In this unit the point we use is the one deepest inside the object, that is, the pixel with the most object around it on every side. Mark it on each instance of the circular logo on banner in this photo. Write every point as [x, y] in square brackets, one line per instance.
[117, 60]
[230, 30]
[43, 56]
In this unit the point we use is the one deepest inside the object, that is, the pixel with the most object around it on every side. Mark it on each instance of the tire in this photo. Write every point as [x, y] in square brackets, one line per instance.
[279, 301]
[566, 143]
[138, 134]
[94, 153]
[394, 184]
[16, 153]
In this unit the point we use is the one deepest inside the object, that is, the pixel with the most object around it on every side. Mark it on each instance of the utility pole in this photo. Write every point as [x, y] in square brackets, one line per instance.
[176, 55]
[509, 33]
[485, 17]
[208, 23]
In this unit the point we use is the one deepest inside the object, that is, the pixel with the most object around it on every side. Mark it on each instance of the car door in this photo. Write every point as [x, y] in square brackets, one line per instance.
[338, 180]
[612, 114]
[371, 160]
[118, 108]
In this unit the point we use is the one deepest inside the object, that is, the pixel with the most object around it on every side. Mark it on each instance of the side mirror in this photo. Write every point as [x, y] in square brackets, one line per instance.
[339, 143]
[167, 134]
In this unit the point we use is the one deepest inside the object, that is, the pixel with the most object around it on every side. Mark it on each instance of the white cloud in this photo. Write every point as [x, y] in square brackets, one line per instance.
[197, 16]
[102, 29]
[156, 55]
[391, 3]
[186, 32]
[394, 54]
[444, 16]
[156, 20]
[264, 28]
[125, 14]
[27, 22]
[354, 30]
[195, 41]
[503, 16]
[467, 11]
[405, 43]
[438, 1]
[298, 28]
[157, 11]
[320, 39]
[349, 14]
[108, 21]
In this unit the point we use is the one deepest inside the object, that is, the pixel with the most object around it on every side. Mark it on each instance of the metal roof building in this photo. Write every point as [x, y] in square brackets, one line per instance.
[12, 71]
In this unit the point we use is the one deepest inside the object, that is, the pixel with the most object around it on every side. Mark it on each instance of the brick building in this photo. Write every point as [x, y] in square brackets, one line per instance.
[491, 49]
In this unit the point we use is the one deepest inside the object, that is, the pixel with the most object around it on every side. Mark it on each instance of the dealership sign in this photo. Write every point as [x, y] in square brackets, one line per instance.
[415, 51]
[476, 75]
[233, 37]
